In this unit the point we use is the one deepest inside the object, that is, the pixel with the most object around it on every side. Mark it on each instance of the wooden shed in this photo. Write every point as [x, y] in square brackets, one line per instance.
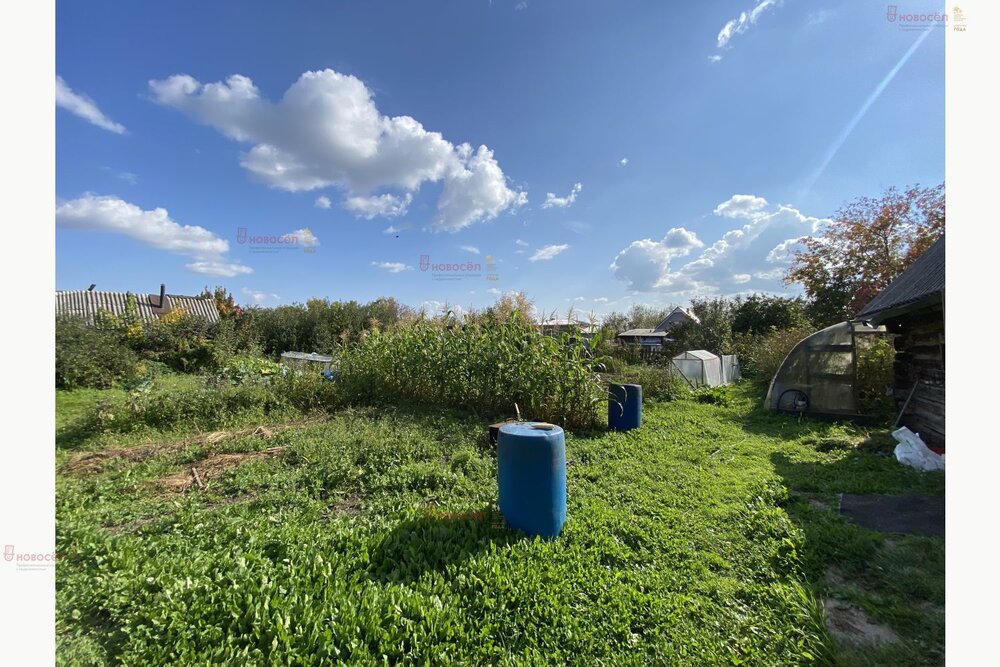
[912, 307]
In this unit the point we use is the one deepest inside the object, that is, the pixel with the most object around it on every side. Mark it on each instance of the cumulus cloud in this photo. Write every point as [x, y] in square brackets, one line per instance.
[322, 201]
[386, 205]
[562, 202]
[154, 228]
[548, 252]
[84, 107]
[326, 131]
[645, 264]
[601, 299]
[392, 267]
[523, 244]
[753, 256]
[743, 22]
[741, 206]
[469, 248]
[258, 296]
[623, 161]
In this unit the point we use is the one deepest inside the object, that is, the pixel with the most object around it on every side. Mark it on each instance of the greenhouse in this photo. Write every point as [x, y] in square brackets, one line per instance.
[819, 375]
[702, 368]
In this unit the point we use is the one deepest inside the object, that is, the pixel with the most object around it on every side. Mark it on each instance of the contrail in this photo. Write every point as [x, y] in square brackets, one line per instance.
[846, 132]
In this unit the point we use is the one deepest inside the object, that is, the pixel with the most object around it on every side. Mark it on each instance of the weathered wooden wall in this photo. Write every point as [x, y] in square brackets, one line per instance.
[920, 360]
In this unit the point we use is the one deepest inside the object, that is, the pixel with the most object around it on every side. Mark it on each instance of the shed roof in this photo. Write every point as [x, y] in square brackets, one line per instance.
[86, 304]
[920, 284]
[307, 356]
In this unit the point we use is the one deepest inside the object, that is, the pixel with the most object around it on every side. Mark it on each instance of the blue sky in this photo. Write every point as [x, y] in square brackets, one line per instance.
[697, 147]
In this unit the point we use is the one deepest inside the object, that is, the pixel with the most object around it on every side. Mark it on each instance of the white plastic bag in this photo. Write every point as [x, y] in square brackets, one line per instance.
[912, 451]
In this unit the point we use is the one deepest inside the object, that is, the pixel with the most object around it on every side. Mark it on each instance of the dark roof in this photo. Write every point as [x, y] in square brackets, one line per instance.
[652, 333]
[922, 283]
[86, 304]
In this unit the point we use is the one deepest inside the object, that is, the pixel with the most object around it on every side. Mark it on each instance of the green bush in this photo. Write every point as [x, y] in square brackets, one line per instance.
[90, 357]
[875, 357]
[761, 356]
[248, 369]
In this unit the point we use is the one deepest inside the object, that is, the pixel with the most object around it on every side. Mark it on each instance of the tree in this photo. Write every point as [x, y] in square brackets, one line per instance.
[757, 314]
[866, 245]
[224, 301]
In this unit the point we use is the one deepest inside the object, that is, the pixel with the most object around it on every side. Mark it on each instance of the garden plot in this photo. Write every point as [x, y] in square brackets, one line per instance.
[705, 537]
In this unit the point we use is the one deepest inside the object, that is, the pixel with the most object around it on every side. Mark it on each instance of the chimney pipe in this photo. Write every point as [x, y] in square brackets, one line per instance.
[92, 286]
[163, 293]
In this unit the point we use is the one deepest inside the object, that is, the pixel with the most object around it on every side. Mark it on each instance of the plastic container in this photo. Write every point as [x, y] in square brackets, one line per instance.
[624, 407]
[531, 476]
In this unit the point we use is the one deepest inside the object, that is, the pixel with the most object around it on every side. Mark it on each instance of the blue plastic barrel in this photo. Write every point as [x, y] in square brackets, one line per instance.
[624, 407]
[531, 476]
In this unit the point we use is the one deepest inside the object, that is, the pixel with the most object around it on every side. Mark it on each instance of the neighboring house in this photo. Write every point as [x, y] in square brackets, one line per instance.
[557, 326]
[912, 307]
[149, 307]
[655, 338]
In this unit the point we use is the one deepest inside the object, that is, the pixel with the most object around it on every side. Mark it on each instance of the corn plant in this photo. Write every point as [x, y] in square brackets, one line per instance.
[488, 364]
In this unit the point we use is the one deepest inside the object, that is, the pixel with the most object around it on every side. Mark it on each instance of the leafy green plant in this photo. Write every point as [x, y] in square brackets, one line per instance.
[87, 356]
[247, 369]
[875, 357]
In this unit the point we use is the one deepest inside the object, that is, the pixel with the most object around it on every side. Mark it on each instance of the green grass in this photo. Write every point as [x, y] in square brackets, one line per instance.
[698, 539]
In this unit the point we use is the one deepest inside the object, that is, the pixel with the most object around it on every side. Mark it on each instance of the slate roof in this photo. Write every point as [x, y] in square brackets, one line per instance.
[86, 304]
[920, 284]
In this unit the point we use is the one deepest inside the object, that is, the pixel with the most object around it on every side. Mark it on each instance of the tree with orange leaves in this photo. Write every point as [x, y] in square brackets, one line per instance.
[865, 246]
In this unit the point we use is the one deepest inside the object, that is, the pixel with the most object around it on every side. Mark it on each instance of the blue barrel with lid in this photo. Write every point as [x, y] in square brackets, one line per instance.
[624, 407]
[531, 477]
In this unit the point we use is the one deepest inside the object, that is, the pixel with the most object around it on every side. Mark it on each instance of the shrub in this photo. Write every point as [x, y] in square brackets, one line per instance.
[875, 356]
[90, 357]
[760, 357]
[248, 369]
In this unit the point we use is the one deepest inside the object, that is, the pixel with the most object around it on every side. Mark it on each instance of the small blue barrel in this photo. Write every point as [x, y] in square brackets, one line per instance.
[531, 476]
[624, 407]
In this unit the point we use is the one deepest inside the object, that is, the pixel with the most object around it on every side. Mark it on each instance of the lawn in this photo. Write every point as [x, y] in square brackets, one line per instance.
[368, 536]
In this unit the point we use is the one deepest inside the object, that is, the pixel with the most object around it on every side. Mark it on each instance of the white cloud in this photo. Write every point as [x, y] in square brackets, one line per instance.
[219, 268]
[521, 243]
[548, 252]
[751, 257]
[646, 263]
[326, 131]
[84, 107]
[322, 201]
[576, 298]
[521, 6]
[395, 229]
[562, 202]
[469, 248]
[305, 237]
[741, 206]
[153, 228]
[601, 299]
[433, 307]
[257, 296]
[623, 161]
[714, 58]
[743, 22]
[386, 205]
[392, 267]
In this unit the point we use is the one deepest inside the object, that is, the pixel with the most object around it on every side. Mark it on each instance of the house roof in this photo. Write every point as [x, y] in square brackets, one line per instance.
[922, 283]
[86, 304]
[652, 333]
[662, 326]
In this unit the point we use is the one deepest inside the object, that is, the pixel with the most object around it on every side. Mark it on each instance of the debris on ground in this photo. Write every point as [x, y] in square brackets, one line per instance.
[212, 468]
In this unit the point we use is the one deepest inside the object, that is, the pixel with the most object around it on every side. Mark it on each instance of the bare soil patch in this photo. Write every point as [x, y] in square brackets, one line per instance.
[851, 624]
